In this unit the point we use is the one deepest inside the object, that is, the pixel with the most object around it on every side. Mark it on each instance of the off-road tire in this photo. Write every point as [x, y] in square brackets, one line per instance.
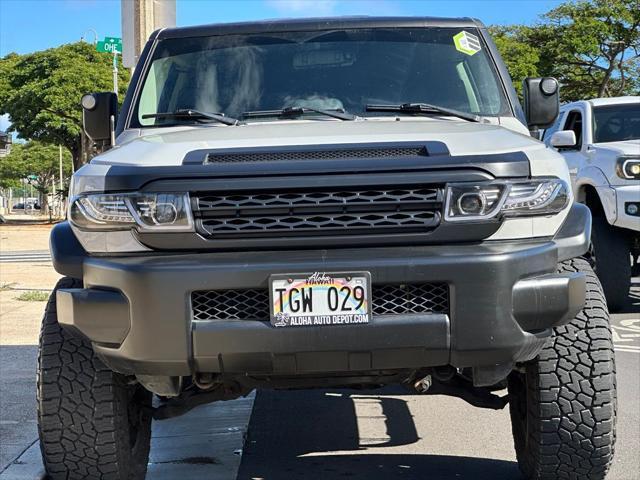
[611, 261]
[92, 423]
[563, 407]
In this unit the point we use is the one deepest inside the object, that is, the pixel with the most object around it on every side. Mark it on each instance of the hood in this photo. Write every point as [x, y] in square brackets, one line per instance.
[626, 147]
[169, 146]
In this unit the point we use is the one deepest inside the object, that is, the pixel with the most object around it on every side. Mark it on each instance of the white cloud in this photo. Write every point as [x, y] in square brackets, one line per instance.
[304, 7]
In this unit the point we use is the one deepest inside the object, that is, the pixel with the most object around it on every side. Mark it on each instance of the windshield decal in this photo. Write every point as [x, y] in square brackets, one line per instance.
[466, 42]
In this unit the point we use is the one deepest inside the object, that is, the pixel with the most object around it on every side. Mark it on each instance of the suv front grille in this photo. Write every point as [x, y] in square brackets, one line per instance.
[253, 304]
[318, 212]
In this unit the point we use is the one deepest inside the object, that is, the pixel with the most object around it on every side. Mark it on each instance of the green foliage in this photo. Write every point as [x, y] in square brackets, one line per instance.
[591, 46]
[33, 296]
[41, 91]
[520, 57]
[34, 159]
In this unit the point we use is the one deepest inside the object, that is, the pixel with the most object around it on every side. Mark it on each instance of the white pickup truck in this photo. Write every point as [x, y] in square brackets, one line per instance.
[600, 140]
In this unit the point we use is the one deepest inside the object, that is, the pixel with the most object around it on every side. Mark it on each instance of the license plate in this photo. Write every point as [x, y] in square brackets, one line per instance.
[319, 299]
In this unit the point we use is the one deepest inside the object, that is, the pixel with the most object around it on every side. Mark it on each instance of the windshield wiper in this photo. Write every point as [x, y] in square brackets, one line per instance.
[195, 114]
[297, 111]
[423, 108]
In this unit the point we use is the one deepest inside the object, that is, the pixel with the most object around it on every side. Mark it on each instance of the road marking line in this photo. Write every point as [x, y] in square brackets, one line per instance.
[626, 348]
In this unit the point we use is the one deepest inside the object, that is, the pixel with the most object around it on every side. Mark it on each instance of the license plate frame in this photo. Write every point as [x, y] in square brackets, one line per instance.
[320, 282]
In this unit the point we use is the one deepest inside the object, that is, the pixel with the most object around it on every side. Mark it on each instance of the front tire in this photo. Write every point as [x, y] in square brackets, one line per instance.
[92, 423]
[612, 262]
[563, 406]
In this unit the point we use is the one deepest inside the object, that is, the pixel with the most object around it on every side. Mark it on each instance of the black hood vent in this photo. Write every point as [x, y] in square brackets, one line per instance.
[292, 153]
[349, 153]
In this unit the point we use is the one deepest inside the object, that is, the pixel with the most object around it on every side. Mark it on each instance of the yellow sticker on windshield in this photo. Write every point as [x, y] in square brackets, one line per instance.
[466, 42]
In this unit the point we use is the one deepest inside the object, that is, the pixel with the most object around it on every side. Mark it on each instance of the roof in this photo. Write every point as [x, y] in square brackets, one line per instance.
[614, 100]
[310, 24]
[596, 102]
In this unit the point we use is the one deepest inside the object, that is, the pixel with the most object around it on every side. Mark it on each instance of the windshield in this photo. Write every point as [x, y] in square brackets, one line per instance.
[337, 69]
[615, 123]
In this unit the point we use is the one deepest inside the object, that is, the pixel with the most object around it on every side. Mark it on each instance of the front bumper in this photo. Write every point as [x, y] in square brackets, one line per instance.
[504, 298]
[625, 195]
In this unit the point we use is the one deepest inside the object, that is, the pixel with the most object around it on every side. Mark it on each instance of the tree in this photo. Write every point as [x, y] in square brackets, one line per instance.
[592, 46]
[37, 162]
[520, 57]
[41, 91]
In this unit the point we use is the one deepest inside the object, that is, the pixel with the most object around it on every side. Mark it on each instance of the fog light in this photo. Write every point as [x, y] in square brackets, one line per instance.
[632, 208]
[472, 203]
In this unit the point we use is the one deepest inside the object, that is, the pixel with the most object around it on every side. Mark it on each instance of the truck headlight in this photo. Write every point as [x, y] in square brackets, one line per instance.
[143, 211]
[484, 201]
[628, 167]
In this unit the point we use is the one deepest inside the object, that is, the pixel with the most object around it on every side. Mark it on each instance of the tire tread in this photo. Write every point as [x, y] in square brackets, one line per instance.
[571, 395]
[82, 427]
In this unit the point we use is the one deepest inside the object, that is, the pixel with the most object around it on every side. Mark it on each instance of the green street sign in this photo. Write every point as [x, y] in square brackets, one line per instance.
[110, 45]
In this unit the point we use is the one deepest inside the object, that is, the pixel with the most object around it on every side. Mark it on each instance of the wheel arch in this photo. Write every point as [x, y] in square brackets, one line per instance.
[588, 195]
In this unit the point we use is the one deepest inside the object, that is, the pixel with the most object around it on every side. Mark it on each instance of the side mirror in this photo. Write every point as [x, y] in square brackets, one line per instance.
[99, 112]
[541, 101]
[563, 138]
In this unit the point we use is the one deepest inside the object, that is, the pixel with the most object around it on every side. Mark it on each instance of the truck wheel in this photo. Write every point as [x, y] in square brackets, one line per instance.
[92, 423]
[611, 260]
[563, 405]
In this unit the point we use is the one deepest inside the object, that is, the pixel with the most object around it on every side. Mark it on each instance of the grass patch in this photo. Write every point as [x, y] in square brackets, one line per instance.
[33, 296]
[4, 286]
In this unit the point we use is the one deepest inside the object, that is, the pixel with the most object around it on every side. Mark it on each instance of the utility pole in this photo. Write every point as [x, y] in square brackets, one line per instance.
[115, 71]
[139, 20]
[60, 151]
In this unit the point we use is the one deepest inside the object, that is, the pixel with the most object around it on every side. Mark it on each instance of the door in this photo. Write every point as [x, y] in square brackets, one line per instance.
[575, 156]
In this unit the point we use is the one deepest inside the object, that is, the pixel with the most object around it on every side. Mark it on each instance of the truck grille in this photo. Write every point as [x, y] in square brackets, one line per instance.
[318, 212]
[253, 304]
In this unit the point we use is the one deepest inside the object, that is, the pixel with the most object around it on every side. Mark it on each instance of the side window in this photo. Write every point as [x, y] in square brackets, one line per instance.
[574, 122]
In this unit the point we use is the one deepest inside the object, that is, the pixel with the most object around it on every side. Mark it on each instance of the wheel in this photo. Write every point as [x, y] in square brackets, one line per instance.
[92, 423]
[610, 257]
[563, 405]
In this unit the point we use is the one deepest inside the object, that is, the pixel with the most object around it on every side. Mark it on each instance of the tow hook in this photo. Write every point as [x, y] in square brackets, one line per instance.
[423, 385]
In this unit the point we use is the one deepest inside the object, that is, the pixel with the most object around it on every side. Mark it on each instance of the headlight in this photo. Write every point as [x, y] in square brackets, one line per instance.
[484, 201]
[144, 211]
[628, 167]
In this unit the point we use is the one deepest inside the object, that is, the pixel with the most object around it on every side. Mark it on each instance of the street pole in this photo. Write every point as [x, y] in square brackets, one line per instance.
[95, 35]
[115, 71]
[60, 150]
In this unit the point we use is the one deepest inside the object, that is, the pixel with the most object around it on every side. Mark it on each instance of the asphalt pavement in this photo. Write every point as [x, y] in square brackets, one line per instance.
[327, 434]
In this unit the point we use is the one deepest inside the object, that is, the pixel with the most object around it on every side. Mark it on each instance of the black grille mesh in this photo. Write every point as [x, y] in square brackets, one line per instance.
[410, 298]
[311, 223]
[372, 153]
[318, 212]
[253, 304]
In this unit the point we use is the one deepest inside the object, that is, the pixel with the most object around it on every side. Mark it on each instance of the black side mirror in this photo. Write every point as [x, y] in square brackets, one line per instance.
[541, 101]
[99, 112]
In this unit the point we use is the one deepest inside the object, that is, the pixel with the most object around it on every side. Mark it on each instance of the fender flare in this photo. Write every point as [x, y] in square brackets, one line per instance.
[574, 235]
[67, 254]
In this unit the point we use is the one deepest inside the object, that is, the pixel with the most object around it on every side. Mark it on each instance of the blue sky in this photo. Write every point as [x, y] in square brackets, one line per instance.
[30, 25]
